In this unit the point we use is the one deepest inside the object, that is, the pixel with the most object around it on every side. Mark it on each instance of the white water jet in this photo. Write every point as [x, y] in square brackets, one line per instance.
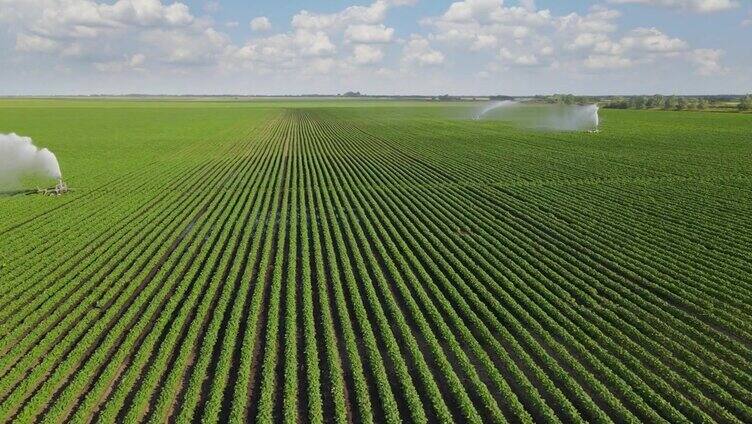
[570, 118]
[493, 106]
[20, 158]
[594, 116]
[543, 116]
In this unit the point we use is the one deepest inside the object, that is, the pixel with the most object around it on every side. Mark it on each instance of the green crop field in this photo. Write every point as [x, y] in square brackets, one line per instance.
[376, 261]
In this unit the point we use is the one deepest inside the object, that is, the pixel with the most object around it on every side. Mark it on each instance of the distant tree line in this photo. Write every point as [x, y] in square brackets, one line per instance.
[658, 102]
[568, 99]
[673, 102]
[746, 102]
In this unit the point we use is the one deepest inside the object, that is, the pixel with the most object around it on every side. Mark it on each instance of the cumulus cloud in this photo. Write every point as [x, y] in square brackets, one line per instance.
[261, 23]
[590, 40]
[418, 51]
[471, 9]
[86, 18]
[94, 30]
[607, 62]
[120, 36]
[212, 6]
[372, 14]
[598, 20]
[402, 2]
[366, 54]
[286, 47]
[63, 26]
[701, 6]
[320, 66]
[369, 33]
[35, 43]
[640, 45]
[523, 36]
[484, 41]
[652, 40]
[199, 46]
[313, 43]
[521, 59]
[707, 62]
[134, 62]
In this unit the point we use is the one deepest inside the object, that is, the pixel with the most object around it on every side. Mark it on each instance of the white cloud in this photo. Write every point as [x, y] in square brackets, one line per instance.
[372, 14]
[366, 54]
[201, 46]
[484, 41]
[652, 40]
[598, 20]
[285, 51]
[65, 21]
[212, 6]
[318, 36]
[261, 23]
[701, 6]
[320, 66]
[748, 21]
[528, 4]
[369, 33]
[402, 2]
[354, 44]
[137, 60]
[707, 62]
[84, 18]
[418, 51]
[525, 37]
[607, 62]
[134, 62]
[314, 44]
[471, 10]
[520, 59]
[522, 35]
[86, 28]
[35, 43]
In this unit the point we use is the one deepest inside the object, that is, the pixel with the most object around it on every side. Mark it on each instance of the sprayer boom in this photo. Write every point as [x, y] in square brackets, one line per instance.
[59, 189]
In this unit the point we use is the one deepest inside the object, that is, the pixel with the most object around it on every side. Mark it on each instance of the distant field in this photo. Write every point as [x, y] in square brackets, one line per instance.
[379, 262]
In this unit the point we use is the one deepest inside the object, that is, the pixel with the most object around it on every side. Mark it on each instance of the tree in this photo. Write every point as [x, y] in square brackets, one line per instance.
[669, 103]
[638, 102]
[702, 104]
[617, 103]
[681, 103]
[655, 101]
[745, 103]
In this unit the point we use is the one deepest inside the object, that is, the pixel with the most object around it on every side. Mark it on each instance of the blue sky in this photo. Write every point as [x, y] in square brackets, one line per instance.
[377, 46]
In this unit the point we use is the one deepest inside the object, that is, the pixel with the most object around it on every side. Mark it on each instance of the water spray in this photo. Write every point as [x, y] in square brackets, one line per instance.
[20, 159]
[592, 111]
[493, 106]
[555, 117]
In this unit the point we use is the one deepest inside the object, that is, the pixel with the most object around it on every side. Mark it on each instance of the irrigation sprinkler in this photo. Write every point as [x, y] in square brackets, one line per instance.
[58, 190]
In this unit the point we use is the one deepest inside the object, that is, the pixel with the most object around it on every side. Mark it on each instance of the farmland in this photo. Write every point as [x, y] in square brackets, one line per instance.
[368, 261]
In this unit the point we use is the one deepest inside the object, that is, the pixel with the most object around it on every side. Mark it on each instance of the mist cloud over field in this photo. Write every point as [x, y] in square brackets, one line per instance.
[20, 159]
[541, 116]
